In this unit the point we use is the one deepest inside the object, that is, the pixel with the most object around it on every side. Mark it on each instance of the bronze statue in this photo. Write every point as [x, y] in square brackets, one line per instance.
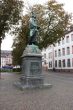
[33, 29]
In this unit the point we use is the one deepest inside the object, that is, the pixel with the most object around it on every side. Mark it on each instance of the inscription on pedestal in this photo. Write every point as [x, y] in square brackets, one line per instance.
[35, 68]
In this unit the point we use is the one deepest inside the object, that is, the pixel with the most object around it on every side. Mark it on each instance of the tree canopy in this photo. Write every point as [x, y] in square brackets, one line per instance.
[53, 22]
[10, 14]
[20, 41]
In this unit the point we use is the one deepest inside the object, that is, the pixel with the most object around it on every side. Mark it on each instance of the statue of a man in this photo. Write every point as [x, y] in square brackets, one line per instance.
[33, 29]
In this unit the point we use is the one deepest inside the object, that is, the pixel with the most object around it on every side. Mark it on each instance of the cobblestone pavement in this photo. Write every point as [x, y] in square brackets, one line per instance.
[59, 97]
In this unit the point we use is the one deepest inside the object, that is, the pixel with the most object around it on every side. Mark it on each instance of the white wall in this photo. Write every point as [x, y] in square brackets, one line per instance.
[51, 49]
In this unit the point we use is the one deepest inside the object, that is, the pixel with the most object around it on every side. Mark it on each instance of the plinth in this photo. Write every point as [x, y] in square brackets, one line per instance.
[32, 76]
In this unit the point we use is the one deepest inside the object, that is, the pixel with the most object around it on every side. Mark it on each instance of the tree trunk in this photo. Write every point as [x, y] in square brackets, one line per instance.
[0, 56]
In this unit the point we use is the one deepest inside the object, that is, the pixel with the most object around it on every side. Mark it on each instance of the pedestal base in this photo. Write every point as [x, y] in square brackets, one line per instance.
[32, 69]
[23, 87]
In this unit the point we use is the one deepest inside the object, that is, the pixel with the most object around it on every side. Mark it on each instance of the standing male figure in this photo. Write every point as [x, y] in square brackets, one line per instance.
[33, 29]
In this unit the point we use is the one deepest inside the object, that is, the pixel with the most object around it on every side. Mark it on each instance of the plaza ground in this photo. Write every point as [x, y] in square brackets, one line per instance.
[58, 97]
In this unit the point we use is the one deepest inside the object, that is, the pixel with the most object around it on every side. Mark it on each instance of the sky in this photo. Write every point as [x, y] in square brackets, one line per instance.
[8, 41]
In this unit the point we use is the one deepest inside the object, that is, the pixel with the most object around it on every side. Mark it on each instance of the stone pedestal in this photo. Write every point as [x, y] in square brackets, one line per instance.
[32, 69]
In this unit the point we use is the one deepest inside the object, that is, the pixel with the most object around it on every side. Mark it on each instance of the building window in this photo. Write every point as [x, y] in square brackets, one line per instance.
[59, 43]
[44, 55]
[59, 63]
[63, 51]
[62, 40]
[59, 52]
[50, 64]
[68, 63]
[72, 49]
[72, 62]
[71, 37]
[50, 55]
[64, 63]
[67, 39]
[68, 50]
[55, 53]
[55, 63]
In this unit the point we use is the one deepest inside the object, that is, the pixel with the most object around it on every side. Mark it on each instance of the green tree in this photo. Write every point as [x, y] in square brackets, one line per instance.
[10, 14]
[56, 22]
[20, 41]
[53, 22]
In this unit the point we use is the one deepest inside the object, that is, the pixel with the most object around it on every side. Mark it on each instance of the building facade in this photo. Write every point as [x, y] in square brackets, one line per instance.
[6, 58]
[60, 56]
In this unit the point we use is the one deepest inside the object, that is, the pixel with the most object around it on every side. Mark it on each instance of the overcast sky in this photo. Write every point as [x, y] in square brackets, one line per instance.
[68, 6]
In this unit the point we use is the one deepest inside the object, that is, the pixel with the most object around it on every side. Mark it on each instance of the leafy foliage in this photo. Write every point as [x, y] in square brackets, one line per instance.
[53, 22]
[9, 15]
[20, 41]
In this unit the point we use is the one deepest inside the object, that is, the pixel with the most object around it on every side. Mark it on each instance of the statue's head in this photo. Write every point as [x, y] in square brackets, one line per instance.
[33, 15]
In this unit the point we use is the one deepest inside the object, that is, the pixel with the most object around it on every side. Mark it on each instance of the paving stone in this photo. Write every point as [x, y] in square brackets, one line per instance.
[59, 97]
